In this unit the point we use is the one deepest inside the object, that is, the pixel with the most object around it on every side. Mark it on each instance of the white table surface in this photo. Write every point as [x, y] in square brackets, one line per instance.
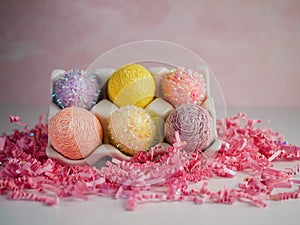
[98, 210]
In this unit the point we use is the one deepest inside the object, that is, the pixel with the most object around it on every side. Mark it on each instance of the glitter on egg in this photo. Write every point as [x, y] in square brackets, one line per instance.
[183, 86]
[194, 124]
[76, 88]
[75, 132]
[131, 129]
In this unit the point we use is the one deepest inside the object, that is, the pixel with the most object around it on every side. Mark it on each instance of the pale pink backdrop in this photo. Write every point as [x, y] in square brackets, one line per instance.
[252, 46]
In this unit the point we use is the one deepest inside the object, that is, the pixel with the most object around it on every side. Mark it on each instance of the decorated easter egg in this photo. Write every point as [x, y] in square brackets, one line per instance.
[131, 129]
[194, 124]
[131, 84]
[76, 88]
[75, 132]
[182, 86]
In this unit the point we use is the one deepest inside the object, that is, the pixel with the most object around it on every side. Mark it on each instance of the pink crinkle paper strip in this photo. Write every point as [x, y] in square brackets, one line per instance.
[26, 173]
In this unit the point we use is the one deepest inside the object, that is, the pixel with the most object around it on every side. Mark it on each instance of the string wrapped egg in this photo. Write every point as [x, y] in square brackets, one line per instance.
[194, 124]
[75, 132]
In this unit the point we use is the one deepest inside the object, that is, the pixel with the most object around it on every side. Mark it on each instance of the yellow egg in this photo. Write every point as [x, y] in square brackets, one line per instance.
[131, 129]
[131, 84]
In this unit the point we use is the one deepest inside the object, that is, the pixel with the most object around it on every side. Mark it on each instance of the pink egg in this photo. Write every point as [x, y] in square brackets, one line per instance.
[75, 132]
[194, 124]
[181, 86]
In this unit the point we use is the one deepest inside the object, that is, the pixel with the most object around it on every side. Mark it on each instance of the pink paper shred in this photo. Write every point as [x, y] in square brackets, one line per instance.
[26, 173]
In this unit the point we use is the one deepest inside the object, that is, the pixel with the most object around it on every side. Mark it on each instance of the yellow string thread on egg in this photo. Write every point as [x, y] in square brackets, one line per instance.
[131, 84]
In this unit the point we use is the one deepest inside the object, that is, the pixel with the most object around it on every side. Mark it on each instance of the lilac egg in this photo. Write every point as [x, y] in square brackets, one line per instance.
[76, 88]
[194, 124]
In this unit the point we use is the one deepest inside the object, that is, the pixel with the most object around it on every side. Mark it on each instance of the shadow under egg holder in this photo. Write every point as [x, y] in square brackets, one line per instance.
[159, 109]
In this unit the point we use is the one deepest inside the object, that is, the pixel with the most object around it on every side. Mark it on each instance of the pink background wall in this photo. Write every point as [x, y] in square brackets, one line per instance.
[252, 46]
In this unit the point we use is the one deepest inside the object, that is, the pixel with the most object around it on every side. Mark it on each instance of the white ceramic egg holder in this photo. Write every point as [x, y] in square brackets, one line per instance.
[157, 108]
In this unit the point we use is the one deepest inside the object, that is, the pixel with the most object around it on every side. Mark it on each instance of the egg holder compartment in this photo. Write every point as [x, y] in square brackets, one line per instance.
[158, 108]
